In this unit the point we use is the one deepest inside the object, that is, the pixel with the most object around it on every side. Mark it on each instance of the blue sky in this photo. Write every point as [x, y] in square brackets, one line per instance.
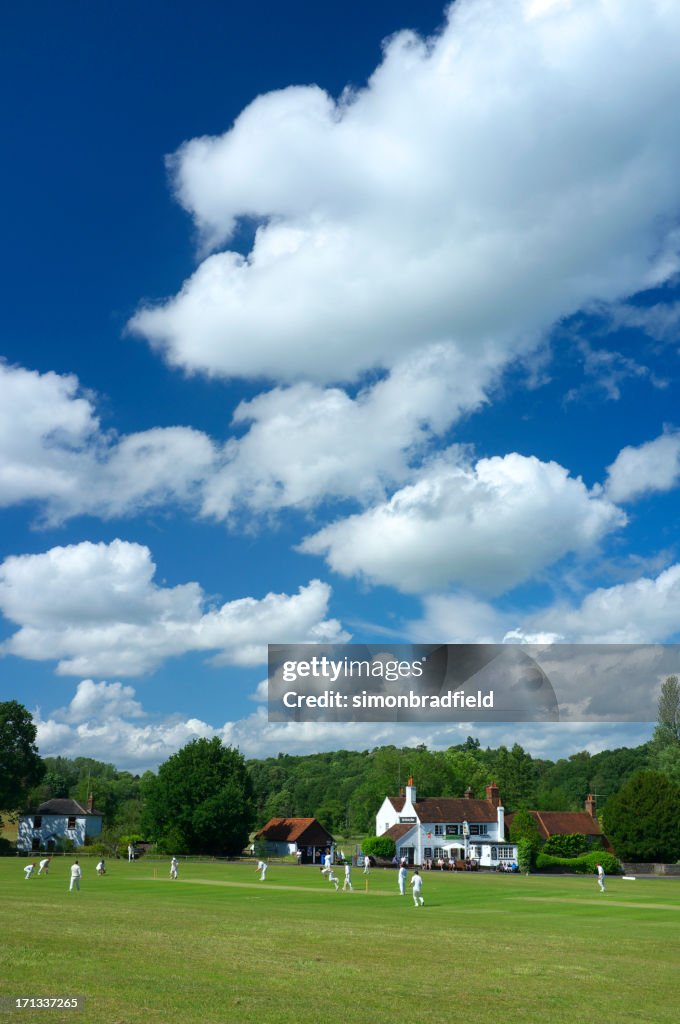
[325, 323]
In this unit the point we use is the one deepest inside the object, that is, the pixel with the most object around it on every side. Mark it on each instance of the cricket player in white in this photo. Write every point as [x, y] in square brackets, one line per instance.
[44, 865]
[173, 869]
[327, 864]
[28, 870]
[347, 884]
[402, 880]
[367, 864]
[262, 866]
[417, 884]
[600, 877]
[76, 875]
[332, 878]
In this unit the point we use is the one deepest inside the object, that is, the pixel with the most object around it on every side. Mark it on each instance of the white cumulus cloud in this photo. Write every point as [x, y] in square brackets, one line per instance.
[95, 609]
[485, 527]
[508, 171]
[645, 469]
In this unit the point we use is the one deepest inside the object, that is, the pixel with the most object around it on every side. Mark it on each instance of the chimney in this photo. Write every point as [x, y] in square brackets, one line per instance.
[493, 795]
[410, 793]
[500, 812]
[468, 793]
[591, 806]
[90, 803]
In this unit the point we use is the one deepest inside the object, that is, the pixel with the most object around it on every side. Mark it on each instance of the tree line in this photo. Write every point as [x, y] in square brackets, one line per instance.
[193, 801]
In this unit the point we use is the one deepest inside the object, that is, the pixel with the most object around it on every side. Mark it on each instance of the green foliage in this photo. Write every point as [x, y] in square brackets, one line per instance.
[379, 846]
[526, 855]
[642, 820]
[64, 845]
[21, 767]
[201, 800]
[7, 848]
[583, 865]
[524, 827]
[572, 845]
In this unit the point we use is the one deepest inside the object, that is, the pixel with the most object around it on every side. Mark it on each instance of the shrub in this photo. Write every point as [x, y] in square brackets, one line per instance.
[586, 864]
[379, 846]
[525, 855]
[572, 845]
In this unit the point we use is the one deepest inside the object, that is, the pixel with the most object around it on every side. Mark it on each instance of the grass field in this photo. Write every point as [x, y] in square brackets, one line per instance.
[220, 946]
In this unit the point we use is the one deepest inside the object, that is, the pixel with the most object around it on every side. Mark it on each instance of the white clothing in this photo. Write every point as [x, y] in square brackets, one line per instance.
[600, 877]
[43, 864]
[367, 865]
[417, 884]
[173, 868]
[261, 866]
[76, 875]
[402, 880]
[332, 878]
[100, 867]
[28, 870]
[347, 884]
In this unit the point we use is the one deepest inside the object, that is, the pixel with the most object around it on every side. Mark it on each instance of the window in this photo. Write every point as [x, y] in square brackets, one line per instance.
[437, 852]
[494, 853]
[483, 830]
[474, 830]
[439, 830]
[71, 822]
[37, 821]
[427, 853]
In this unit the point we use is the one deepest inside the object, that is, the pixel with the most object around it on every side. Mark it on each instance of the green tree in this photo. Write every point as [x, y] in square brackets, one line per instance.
[642, 820]
[202, 796]
[379, 846]
[21, 767]
[665, 746]
[525, 829]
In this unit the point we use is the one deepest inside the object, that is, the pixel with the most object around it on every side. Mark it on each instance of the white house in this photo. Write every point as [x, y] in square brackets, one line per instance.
[453, 828]
[58, 819]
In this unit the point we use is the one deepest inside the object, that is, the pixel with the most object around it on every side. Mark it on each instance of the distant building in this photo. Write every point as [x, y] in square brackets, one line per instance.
[451, 828]
[289, 835]
[564, 823]
[57, 819]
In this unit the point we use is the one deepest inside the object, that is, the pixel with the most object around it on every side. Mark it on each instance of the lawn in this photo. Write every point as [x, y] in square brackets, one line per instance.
[220, 946]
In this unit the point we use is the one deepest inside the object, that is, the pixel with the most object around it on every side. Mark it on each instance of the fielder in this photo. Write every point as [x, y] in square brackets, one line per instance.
[401, 877]
[347, 884]
[367, 864]
[76, 875]
[44, 866]
[417, 883]
[600, 877]
[28, 870]
[173, 869]
[262, 866]
[333, 878]
[327, 864]
[101, 867]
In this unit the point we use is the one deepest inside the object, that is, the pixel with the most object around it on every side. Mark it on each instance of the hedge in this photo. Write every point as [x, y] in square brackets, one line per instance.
[584, 865]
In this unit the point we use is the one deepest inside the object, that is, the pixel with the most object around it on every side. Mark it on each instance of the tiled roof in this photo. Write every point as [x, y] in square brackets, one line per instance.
[396, 832]
[563, 823]
[70, 808]
[449, 809]
[292, 830]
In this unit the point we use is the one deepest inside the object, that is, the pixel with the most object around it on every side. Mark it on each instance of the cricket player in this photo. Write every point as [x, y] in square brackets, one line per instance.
[332, 877]
[600, 877]
[417, 883]
[262, 866]
[367, 864]
[28, 870]
[101, 867]
[401, 877]
[173, 869]
[347, 884]
[44, 865]
[76, 875]
[327, 864]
